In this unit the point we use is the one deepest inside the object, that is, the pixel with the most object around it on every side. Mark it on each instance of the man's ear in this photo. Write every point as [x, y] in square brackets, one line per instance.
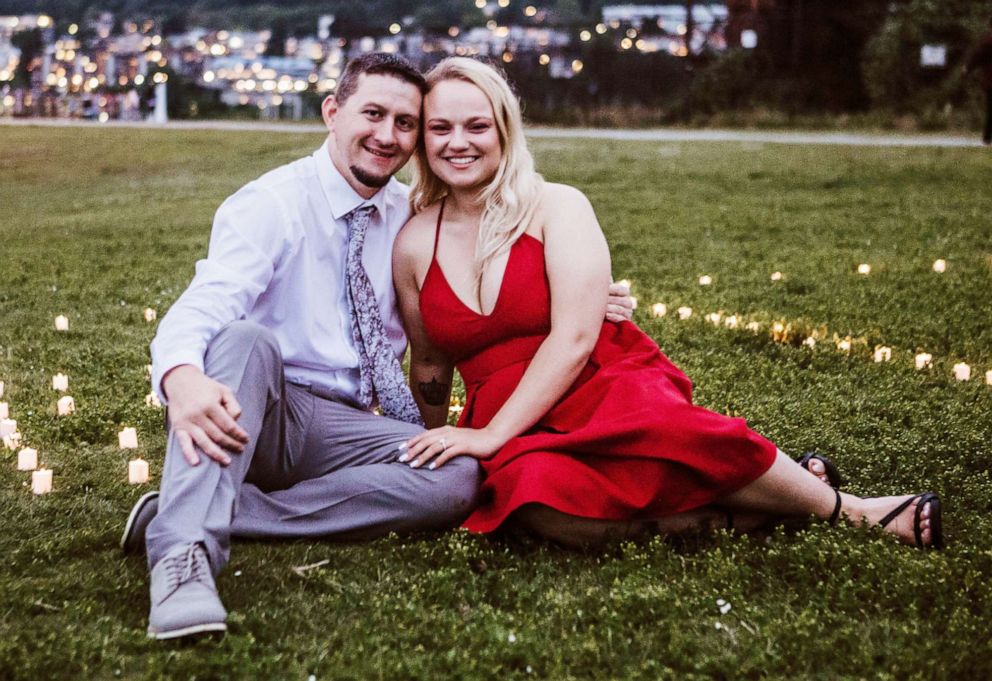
[328, 109]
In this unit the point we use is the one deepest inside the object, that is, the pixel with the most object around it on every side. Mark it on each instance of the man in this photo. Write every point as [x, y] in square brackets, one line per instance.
[981, 61]
[272, 359]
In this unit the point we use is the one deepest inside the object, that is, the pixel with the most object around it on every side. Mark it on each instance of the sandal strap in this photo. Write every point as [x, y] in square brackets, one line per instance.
[924, 499]
[894, 513]
[836, 514]
[829, 467]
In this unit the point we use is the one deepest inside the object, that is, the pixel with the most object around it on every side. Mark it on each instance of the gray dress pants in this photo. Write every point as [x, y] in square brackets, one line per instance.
[313, 467]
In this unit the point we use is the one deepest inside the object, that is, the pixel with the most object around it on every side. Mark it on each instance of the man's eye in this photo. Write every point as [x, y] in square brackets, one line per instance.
[372, 113]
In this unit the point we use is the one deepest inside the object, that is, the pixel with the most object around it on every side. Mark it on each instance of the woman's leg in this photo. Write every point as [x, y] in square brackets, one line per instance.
[787, 489]
[585, 533]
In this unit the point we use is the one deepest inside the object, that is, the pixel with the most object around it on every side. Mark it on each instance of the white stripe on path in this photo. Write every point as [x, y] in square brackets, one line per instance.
[650, 135]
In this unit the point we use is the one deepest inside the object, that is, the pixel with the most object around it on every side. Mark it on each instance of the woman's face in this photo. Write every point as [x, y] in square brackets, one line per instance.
[460, 135]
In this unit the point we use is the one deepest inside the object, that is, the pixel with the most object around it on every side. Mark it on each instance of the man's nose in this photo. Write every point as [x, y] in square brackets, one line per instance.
[385, 133]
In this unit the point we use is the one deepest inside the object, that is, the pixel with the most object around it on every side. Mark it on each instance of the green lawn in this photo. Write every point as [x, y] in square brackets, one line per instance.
[100, 224]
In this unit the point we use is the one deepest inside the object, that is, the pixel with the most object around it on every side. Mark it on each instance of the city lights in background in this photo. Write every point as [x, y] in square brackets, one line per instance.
[235, 64]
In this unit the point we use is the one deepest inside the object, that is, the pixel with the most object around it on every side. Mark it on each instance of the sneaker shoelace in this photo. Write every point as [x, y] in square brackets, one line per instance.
[189, 567]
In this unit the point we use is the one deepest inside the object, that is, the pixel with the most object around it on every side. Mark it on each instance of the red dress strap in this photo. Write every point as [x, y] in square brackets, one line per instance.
[437, 230]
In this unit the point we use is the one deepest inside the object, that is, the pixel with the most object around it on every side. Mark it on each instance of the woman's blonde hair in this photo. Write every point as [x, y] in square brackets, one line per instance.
[514, 192]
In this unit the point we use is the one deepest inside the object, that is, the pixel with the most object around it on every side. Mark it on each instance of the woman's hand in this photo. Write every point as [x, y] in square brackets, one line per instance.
[441, 444]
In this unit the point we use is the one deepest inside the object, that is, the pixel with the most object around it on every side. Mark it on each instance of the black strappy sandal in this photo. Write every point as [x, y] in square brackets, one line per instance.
[833, 473]
[936, 527]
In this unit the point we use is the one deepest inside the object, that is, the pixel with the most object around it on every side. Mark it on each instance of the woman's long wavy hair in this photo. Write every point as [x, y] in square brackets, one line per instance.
[512, 196]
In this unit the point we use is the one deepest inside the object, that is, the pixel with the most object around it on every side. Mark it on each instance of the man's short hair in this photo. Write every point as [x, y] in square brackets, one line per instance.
[377, 63]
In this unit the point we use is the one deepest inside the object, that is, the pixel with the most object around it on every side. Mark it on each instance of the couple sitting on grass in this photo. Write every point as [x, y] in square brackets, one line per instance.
[294, 328]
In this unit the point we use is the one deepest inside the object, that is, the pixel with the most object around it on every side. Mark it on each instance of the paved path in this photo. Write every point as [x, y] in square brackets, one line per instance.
[651, 135]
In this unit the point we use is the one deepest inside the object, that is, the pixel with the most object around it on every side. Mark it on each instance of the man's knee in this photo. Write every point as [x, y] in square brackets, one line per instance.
[239, 339]
[455, 493]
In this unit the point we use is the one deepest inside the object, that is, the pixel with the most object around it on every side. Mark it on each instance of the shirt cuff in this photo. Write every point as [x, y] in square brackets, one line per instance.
[163, 365]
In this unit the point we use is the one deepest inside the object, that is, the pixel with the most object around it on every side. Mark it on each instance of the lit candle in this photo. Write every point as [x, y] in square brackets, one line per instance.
[659, 309]
[714, 318]
[41, 481]
[137, 471]
[27, 459]
[754, 327]
[705, 280]
[988, 377]
[810, 342]
[844, 345]
[12, 440]
[66, 405]
[60, 382]
[685, 312]
[864, 268]
[150, 314]
[4, 410]
[779, 333]
[776, 276]
[883, 353]
[939, 265]
[923, 360]
[731, 322]
[7, 426]
[151, 400]
[962, 371]
[61, 323]
[128, 438]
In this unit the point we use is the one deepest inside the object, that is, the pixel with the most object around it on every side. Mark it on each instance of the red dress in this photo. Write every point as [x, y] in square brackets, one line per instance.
[624, 442]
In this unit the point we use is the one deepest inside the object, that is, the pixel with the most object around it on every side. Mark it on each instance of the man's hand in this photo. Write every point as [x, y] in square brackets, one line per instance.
[620, 306]
[202, 412]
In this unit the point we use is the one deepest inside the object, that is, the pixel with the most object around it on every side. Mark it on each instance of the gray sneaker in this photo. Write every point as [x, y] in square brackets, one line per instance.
[184, 598]
[144, 510]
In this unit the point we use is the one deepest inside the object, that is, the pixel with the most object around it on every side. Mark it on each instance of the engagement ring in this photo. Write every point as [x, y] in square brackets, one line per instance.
[444, 444]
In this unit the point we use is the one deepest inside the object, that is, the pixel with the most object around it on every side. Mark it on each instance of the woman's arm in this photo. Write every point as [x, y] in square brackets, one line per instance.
[430, 371]
[577, 261]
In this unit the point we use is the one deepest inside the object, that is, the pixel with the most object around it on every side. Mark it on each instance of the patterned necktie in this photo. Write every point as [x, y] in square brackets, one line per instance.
[381, 373]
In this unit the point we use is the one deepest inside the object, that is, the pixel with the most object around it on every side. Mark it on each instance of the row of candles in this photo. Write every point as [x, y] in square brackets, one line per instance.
[27, 457]
[780, 331]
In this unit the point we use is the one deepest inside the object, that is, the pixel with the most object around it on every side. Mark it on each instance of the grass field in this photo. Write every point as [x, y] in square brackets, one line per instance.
[100, 224]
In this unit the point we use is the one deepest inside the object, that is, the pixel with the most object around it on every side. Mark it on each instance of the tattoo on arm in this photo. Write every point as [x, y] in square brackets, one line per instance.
[434, 393]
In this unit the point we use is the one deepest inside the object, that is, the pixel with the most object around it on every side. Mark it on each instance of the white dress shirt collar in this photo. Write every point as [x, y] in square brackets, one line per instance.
[341, 196]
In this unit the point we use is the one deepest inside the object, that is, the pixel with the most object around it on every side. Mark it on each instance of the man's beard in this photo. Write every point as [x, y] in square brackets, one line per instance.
[368, 179]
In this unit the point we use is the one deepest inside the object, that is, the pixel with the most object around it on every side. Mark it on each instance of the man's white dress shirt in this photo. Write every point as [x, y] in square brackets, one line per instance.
[277, 257]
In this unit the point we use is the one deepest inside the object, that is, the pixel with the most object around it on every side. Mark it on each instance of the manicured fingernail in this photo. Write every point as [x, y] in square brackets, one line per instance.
[414, 464]
[405, 458]
[402, 447]
[432, 466]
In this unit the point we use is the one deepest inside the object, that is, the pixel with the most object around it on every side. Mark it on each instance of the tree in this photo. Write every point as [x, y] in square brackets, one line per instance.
[31, 44]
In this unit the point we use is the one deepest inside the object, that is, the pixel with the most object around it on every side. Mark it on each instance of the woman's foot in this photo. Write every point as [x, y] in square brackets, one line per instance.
[904, 525]
[823, 468]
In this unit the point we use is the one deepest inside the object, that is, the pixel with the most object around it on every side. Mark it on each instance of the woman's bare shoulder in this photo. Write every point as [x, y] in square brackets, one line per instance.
[555, 194]
[417, 232]
[564, 207]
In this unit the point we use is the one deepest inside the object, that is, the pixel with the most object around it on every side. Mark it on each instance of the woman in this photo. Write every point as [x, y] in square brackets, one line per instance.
[584, 428]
